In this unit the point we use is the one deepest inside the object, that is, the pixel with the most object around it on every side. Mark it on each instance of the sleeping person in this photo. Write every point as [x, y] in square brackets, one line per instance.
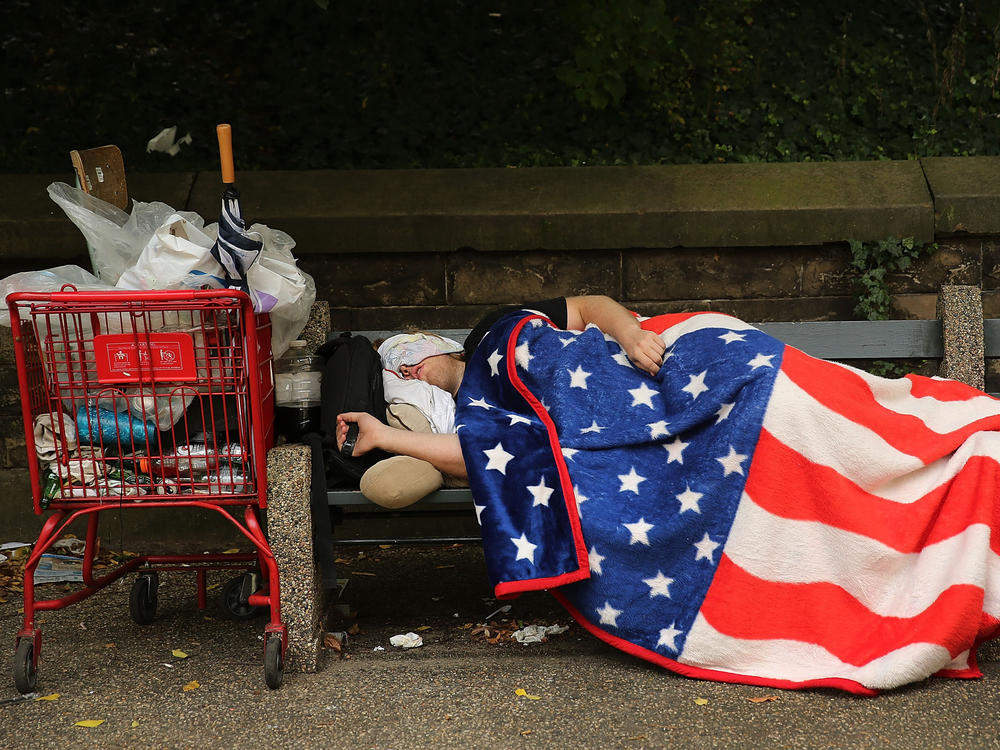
[700, 495]
[441, 365]
[421, 371]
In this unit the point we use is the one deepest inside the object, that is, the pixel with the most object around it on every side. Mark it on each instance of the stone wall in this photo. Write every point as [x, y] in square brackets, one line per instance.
[436, 248]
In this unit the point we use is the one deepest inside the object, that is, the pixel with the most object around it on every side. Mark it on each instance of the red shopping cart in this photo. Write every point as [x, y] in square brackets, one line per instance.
[141, 400]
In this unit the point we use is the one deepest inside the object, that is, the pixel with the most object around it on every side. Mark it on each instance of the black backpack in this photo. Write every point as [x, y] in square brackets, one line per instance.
[352, 381]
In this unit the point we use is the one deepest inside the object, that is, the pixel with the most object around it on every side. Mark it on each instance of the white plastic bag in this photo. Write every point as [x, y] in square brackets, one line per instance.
[115, 238]
[49, 280]
[177, 256]
[278, 285]
[277, 280]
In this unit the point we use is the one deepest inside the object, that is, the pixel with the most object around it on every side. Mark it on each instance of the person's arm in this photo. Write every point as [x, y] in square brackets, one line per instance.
[443, 450]
[644, 348]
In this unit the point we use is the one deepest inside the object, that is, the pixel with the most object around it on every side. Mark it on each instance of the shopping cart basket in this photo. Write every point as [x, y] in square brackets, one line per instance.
[139, 400]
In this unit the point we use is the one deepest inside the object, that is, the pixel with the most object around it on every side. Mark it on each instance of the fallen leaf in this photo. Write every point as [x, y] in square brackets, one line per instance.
[179, 654]
[49, 697]
[331, 641]
[526, 732]
[763, 699]
[232, 551]
[110, 645]
[442, 567]
[354, 629]
[90, 723]
[701, 701]
[134, 724]
[524, 694]
[362, 573]
[193, 685]
[424, 627]
[385, 546]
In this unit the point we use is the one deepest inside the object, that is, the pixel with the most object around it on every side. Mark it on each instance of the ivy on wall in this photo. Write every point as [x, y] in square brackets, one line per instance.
[872, 263]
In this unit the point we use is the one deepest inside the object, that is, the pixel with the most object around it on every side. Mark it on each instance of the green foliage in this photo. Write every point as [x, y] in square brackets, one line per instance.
[885, 368]
[872, 263]
[673, 56]
[459, 83]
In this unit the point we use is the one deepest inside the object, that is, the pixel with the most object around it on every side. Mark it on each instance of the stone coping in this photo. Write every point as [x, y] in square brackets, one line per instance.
[436, 210]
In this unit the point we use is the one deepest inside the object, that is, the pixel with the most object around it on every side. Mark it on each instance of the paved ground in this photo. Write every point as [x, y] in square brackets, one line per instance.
[457, 691]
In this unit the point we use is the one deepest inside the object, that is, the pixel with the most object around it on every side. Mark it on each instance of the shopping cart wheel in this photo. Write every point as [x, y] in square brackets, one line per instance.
[235, 594]
[24, 666]
[142, 599]
[274, 663]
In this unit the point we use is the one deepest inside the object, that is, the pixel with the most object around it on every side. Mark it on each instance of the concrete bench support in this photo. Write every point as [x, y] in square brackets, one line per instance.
[960, 309]
[289, 527]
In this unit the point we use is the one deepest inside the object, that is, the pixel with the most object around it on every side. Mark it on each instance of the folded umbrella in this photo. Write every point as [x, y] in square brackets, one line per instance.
[236, 249]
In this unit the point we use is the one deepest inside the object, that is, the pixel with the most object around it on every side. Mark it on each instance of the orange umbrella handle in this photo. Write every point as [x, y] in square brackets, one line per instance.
[225, 133]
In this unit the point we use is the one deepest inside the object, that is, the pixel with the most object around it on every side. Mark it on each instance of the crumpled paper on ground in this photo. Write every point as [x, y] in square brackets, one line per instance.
[537, 633]
[409, 640]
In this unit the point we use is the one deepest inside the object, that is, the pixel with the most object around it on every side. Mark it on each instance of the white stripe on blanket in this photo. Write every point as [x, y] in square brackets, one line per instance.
[797, 661]
[811, 552]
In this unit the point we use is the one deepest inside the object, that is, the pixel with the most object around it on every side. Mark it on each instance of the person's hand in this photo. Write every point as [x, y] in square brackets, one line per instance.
[368, 435]
[644, 349]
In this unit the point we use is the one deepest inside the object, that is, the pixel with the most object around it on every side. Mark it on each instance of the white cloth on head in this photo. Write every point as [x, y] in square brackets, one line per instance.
[413, 348]
[434, 403]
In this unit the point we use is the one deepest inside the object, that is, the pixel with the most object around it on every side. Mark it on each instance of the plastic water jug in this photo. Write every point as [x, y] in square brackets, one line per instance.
[297, 377]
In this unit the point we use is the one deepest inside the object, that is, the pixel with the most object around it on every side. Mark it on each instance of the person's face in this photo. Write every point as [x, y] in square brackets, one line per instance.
[441, 370]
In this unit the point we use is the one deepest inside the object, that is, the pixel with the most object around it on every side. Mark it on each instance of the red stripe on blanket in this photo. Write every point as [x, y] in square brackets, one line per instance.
[743, 606]
[786, 484]
[660, 323]
[942, 390]
[840, 683]
[852, 397]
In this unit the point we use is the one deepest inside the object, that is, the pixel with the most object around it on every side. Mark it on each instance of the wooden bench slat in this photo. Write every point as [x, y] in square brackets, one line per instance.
[828, 339]
[991, 337]
[445, 496]
[862, 339]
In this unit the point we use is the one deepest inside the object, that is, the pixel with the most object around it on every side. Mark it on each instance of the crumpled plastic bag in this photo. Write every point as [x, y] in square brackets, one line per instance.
[537, 633]
[118, 241]
[277, 275]
[278, 286]
[48, 280]
[177, 256]
[55, 435]
[114, 238]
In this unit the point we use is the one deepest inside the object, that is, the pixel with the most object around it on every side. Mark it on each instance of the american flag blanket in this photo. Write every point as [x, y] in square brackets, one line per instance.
[751, 514]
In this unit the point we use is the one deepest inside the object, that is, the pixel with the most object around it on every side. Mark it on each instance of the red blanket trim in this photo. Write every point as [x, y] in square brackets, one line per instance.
[687, 670]
[512, 588]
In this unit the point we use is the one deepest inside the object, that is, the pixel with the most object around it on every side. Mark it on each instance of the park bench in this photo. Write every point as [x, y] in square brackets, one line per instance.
[955, 338]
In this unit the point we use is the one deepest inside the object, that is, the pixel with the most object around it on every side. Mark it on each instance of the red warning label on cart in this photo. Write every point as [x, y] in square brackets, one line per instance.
[124, 358]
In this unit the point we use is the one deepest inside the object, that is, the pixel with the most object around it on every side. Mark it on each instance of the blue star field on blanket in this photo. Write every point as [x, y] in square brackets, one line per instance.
[632, 499]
